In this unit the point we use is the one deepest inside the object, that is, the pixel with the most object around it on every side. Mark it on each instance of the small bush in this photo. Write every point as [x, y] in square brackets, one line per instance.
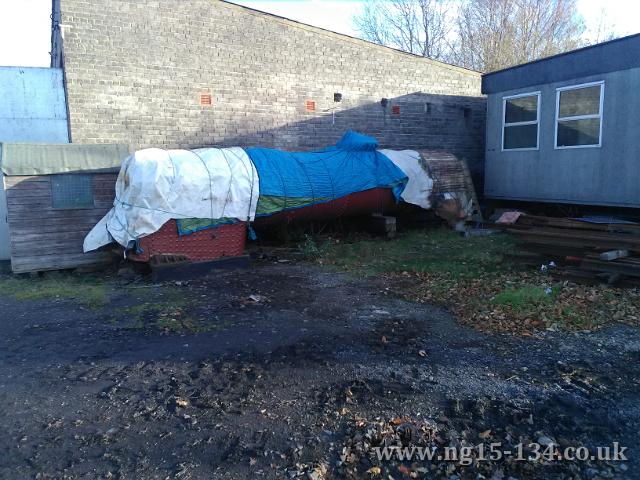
[313, 250]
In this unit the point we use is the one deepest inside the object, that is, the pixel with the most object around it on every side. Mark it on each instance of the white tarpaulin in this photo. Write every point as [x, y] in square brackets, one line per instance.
[420, 185]
[155, 186]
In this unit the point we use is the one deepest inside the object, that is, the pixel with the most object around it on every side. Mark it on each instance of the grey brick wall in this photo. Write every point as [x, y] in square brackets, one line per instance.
[135, 70]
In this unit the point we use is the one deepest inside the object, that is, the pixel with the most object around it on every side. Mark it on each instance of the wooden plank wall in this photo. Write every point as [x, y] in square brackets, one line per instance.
[44, 238]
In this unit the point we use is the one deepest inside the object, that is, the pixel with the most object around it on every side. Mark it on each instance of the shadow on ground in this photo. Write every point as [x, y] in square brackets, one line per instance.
[291, 371]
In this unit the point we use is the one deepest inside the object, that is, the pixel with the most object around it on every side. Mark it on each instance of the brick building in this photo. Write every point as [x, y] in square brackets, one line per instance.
[207, 72]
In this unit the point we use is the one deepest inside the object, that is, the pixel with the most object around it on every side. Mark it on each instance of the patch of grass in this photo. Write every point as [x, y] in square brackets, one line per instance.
[524, 297]
[163, 315]
[170, 314]
[90, 291]
[423, 251]
[471, 277]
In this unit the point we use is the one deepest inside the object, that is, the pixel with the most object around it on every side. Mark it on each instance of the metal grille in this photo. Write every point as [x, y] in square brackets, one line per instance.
[71, 191]
[206, 100]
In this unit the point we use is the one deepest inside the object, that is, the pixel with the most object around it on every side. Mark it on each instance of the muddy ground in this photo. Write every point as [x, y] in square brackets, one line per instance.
[293, 371]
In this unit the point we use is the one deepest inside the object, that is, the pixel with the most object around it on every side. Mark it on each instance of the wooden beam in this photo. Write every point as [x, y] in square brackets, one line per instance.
[613, 254]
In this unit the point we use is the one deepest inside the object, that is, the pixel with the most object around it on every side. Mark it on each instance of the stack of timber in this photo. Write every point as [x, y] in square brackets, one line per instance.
[583, 251]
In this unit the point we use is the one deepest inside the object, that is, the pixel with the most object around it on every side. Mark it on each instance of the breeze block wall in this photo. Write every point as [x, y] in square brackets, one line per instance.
[206, 72]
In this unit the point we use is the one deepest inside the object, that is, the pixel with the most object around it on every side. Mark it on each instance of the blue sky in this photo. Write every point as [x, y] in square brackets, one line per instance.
[25, 24]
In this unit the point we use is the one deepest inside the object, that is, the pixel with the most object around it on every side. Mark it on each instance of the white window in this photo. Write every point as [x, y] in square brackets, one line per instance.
[579, 115]
[520, 119]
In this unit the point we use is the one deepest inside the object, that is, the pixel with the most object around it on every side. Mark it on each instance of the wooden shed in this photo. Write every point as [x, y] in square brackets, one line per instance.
[55, 195]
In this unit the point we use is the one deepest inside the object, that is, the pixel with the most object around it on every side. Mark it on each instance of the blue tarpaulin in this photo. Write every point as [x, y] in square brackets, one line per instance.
[299, 179]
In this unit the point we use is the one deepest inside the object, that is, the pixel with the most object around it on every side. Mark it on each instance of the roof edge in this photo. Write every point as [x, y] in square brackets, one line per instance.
[344, 37]
[19, 67]
[28, 158]
[569, 52]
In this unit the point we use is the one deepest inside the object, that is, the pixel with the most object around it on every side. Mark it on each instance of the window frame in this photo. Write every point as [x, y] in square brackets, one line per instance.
[535, 122]
[599, 116]
[52, 180]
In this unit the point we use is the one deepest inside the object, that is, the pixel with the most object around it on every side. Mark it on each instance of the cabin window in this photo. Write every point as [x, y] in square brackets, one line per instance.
[579, 115]
[71, 191]
[520, 121]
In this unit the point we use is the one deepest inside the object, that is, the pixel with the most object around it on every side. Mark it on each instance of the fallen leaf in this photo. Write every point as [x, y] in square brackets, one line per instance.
[398, 421]
[181, 402]
[422, 353]
[484, 435]
[374, 471]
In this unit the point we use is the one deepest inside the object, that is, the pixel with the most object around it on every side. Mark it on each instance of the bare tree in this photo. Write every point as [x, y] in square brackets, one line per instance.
[495, 34]
[421, 27]
[603, 31]
[483, 35]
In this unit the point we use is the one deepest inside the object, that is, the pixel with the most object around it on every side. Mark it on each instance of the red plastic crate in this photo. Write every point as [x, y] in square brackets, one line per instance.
[204, 245]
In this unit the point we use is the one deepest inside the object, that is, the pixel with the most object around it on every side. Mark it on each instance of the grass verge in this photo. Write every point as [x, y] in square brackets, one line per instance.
[472, 279]
[89, 291]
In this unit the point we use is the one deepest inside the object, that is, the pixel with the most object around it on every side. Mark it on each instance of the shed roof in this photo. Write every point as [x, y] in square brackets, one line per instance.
[25, 159]
[619, 54]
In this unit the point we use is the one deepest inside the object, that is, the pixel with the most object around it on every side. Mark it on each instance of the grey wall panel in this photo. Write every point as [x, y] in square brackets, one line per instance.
[32, 105]
[608, 175]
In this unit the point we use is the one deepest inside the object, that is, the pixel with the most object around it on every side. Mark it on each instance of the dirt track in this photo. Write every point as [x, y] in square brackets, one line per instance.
[314, 367]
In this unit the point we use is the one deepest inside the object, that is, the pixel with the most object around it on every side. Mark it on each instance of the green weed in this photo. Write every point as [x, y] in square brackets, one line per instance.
[89, 291]
[313, 250]
[170, 314]
[524, 297]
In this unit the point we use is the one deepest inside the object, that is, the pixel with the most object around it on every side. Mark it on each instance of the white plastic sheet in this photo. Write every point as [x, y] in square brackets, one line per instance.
[420, 185]
[155, 186]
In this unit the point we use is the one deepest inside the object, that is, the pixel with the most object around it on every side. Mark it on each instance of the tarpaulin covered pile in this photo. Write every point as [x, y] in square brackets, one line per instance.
[155, 186]
[207, 187]
[293, 180]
